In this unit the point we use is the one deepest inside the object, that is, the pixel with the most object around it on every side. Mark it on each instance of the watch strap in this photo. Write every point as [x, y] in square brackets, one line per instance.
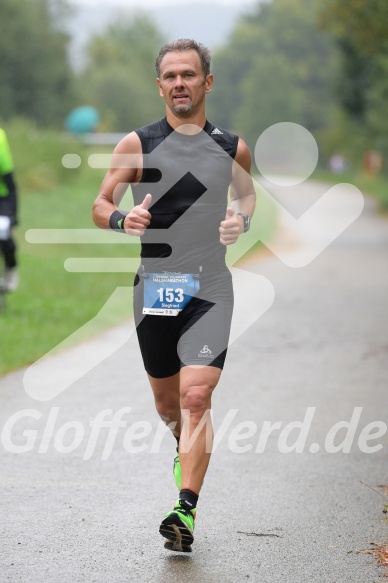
[247, 221]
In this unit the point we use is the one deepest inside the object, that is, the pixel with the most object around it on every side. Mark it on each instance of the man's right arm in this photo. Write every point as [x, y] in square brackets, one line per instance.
[126, 168]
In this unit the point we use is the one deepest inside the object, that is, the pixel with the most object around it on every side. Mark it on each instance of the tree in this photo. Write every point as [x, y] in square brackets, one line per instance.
[119, 78]
[360, 28]
[277, 67]
[277, 100]
[363, 22]
[36, 79]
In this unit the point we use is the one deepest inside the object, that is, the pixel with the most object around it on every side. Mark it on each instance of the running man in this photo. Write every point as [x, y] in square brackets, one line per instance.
[180, 169]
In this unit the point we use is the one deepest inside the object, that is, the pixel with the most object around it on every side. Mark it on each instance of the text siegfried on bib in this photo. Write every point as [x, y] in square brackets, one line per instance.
[166, 294]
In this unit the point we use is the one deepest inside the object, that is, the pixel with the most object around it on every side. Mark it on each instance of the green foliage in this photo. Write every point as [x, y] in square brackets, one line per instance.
[360, 28]
[276, 67]
[33, 67]
[52, 303]
[376, 115]
[355, 79]
[364, 22]
[374, 185]
[119, 79]
[277, 101]
[342, 136]
[38, 154]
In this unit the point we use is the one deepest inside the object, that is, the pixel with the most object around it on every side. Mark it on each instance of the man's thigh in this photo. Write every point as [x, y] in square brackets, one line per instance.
[205, 333]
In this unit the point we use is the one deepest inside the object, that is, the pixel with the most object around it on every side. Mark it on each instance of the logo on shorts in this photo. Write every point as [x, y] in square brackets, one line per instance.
[205, 352]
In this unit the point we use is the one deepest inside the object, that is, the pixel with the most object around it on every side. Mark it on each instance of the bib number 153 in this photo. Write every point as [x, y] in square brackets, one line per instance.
[167, 294]
[170, 294]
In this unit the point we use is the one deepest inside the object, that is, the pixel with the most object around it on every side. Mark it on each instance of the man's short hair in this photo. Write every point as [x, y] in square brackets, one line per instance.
[186, 44]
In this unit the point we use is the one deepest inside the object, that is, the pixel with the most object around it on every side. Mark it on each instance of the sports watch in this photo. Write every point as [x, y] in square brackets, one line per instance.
[247, 221]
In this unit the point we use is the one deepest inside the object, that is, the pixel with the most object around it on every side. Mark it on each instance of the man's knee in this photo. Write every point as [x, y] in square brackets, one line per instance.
[196, 394]
[196, 399]
[167, 406]
[166, 396]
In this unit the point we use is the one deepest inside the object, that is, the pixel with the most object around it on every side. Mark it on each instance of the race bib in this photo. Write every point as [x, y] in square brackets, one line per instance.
[166, 294]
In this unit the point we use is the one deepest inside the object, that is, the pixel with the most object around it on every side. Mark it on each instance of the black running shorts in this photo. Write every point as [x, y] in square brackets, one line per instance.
[198, 335]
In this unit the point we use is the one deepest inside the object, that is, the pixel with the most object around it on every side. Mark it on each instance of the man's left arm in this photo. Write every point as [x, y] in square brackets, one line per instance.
[242, 194]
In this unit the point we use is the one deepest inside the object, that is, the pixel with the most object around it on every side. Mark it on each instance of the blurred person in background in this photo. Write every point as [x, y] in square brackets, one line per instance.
[8, 208]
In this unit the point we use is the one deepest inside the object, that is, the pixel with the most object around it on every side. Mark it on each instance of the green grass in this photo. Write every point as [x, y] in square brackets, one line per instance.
[263, 225]
[368, 184]
[51, 303]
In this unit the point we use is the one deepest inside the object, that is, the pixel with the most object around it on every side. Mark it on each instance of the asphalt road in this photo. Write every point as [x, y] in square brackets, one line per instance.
[317, 356]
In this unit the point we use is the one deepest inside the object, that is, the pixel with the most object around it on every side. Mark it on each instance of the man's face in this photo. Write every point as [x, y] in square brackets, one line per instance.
[181, 82]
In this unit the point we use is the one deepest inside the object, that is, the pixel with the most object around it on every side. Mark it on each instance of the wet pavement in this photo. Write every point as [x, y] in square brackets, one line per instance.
[299, 411]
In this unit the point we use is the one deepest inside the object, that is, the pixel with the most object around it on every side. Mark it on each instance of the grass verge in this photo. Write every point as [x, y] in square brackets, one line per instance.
[376, 185]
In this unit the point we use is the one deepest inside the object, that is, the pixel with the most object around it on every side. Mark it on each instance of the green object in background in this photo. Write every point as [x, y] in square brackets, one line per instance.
[6, 163]
[82, 120]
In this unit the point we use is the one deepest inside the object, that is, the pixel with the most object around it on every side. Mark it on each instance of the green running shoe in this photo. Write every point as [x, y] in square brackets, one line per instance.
[177, 472]
[178, 528]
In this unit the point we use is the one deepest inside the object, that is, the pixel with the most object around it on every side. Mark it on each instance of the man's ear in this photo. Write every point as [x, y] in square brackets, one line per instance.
[209, 83]
[158, 83]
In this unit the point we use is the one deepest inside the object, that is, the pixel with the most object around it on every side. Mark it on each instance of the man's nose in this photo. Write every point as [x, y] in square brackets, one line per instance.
[179, 81]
